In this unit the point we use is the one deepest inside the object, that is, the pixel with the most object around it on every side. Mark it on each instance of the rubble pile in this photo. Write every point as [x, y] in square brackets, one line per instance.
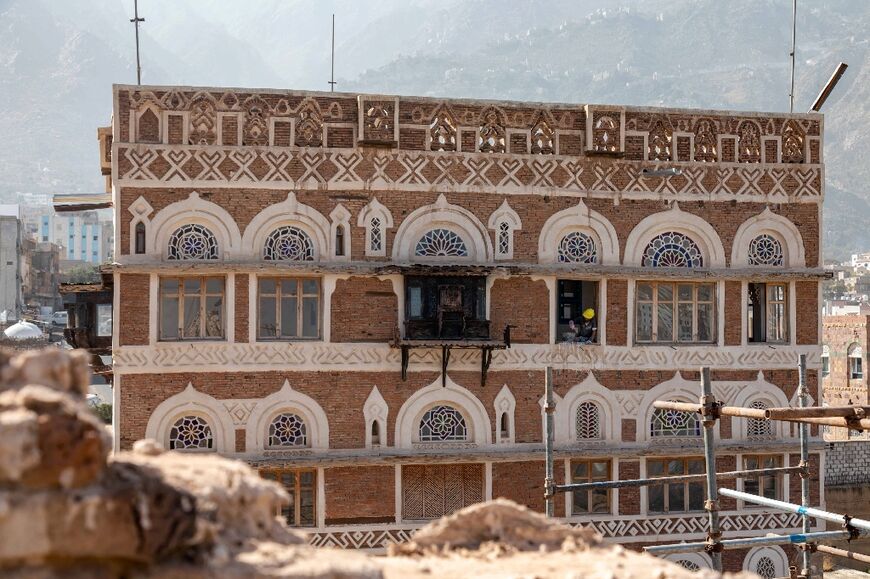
[68, 510]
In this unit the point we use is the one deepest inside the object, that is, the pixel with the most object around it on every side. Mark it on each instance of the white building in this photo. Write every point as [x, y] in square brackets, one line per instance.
[861, 260]
[84, 236]
[10, 257]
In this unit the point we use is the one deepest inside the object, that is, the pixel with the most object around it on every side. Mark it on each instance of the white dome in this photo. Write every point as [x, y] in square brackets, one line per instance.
[23, 331]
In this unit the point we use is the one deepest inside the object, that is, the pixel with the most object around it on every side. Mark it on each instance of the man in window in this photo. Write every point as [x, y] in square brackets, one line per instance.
[587, 331]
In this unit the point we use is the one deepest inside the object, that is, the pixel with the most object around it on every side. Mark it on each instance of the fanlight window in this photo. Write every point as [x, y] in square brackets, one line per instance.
[287, 429]
[193, 242]
[766, 568]
[759, 428]
[674, 423]
[443, 424]
[577, 247]
[288, 243]
[672, 249]
[765, 250]
[441, 243]
[588, 421]
[191, 433]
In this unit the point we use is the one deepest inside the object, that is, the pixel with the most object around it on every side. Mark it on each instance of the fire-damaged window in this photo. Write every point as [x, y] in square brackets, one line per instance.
[445, 308]
[577, 311]
[192, 308]
[767, 314]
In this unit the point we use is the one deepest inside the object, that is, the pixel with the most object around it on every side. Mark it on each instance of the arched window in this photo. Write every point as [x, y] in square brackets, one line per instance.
[542, 138]
[287, 430]
[193, 242]
[443, 423]
[339, 240]
[491, 138]
[660, 137]
[705, 142]
[672, 249]
[588, 421]
[749, 148]
[759, 428]
[288, 243]
[674, 423]
[442, 132]
[766, 568]
[504, 432]
[577, 247]
[376, 235]
[191, 433]
[855, 359]
[376, 433]
[441, 243]
[792, 143]
[140, 238]
[503, 247]
[765, 249]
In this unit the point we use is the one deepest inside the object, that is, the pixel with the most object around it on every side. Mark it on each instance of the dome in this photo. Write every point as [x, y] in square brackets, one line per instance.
[23, 331]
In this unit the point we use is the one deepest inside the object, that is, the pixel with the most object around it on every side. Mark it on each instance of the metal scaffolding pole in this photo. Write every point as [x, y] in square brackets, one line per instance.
[843, 553]
[714, 535]
[769, 540]
[681, 478]
[549, 480]
[804, 430]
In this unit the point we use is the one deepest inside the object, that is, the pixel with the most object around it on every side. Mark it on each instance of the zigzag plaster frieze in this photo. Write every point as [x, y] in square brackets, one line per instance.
[380, 358]
[351, 169]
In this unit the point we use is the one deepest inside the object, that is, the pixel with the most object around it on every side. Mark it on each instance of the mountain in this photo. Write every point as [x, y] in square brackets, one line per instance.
[58, 60]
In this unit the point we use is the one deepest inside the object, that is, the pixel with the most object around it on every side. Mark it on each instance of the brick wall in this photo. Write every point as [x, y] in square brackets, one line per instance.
[839, 333]
[617, 312]
[364, 309]
[242, 333]
[523, 482]
[132, 318]
[847, 463]
[733, 313]
[523, 303]
[807, 304]
[360, 495]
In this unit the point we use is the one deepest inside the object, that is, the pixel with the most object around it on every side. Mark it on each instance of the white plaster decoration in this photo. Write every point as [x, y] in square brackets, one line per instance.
[504, 221]
[376, 219]
[375, 411]
[504, 405]
[286, 400]
[141, 211]
[589, 390]
[453, 395]
[677, 388]
[698, 230]
[190, 401]
[289, 213]
[149, 105]
[754, 563]
[449, 217]
[579, 219]
[691, 561]
[240, 410]
[745, 394]
[629, 401]
[340, 216]
[193, 211]
[780, 228]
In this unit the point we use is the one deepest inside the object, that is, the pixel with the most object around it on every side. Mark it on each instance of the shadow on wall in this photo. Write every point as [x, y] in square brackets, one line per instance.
[853, 500]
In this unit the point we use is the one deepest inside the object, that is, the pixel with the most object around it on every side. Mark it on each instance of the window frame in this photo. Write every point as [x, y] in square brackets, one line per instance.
[581, 303]
[779, 486]
[203, 300]
[300, 300]
[665, 486]
[676, 302]
[763, 325]
[856, 367]
[590, 478]
[277, 475]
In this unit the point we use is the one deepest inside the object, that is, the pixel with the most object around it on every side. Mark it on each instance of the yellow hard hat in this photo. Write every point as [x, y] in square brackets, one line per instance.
[588, 314]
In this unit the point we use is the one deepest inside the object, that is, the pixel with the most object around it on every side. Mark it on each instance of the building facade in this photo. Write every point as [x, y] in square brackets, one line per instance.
[86, 237]
[360, 294]
[844, 382]
[10, 264]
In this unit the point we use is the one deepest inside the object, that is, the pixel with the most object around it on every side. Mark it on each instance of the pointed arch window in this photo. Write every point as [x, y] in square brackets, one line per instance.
[491, 137]
[442, 132]
[759, 428]
[140, 238]
[792, 144]
[503, 247]
[705, 142]
[192, 242]
[542, 138]
[288, 243]
[588, 421]
[376, 235]
[660, 137]
[443, 423]
[749, 147]
[339, 240]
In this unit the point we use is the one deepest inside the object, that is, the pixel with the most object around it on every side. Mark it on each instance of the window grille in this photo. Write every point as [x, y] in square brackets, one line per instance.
[442, 133]
[542, 139]
[504, 238]
[191, 433]
[588, 421]
[690, 565]
[193, 242]
[674, 423]
[287, 429]
[443, 424]
[672, 249]
[435, 490]
[441, 243]
[288, 243]
[765, 250]
[577, 247]
[766, 568]
[375, 240]
[759, 428]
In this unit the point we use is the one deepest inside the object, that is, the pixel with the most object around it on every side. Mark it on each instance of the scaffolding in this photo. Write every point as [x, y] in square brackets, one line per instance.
[852, 417]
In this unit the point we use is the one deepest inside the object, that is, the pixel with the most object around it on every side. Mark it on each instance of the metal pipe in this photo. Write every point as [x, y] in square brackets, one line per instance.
[810, 415]
[817, 412]
[549, 480]
[829, 87]
[714, 535]
[769, 540]
[793, 42]
[860, 524]
[854, 424]
[681, 478]
[843, 553]
[804, 429]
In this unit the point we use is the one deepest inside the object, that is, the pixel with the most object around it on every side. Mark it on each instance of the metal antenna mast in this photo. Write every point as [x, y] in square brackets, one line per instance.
[332, 82]
[136, 20]
[793, 31]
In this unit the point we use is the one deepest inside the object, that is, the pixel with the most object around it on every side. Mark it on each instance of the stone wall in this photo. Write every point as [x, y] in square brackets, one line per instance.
[847, 463]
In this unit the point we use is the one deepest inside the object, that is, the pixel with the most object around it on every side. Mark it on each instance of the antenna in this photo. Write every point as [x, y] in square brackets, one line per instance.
[136, 20]
[332, 82]
[793, 33]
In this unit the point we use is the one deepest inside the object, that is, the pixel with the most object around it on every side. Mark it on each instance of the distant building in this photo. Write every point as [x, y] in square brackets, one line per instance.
[861, 261]
[846, 342]
[40, 274]
[85, 237]
[10, 258]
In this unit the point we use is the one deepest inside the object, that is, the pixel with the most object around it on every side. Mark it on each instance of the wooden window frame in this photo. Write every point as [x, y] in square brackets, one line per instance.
[777, 478]
[300, 300]
[676, 302]
[278, 475]
[589, 478]
[764, 326]
[666, 486]
[203, 295]
[856, 367]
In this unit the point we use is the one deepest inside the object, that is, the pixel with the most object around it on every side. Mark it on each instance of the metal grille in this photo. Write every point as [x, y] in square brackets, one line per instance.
[288, 244]
[443, 424]
[672, 249]
[690, 565]
[588, 421]
[759, 427]
[504, 238]
[577, 247]
[766, 568]
[674, 423]
[765, 250]
[441, 243]
[190, 433]
[287, 429]
[192, 242]
[432, 491]
[375, 241]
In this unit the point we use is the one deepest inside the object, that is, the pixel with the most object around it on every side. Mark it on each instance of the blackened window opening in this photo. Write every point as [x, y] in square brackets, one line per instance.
[339, 240]
[140, 238]
[445, 308]
[575, 297]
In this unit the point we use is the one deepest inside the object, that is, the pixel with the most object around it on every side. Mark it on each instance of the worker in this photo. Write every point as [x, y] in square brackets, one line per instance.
[587, 331]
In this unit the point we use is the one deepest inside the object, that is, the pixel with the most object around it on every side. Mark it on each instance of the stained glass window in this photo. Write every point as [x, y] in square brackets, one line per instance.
[191, 433]
[672, 249]
[288, 243]
[192, 242]
[287, 429]
[443, 424]
[765, 250]
[577, 247]
[441, 243]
